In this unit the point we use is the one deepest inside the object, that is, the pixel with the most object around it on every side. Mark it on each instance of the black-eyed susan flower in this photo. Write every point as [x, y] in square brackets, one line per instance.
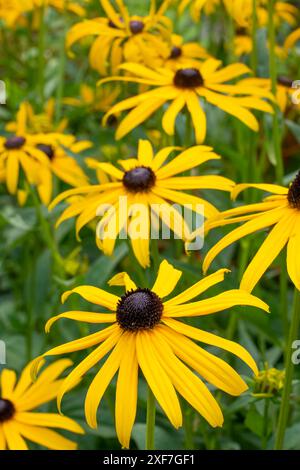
[39, 156]
[150, 183]
[185, 87]
[19, 400]
[280, 211]
[124, 37]
[184, 53]
[145, 333]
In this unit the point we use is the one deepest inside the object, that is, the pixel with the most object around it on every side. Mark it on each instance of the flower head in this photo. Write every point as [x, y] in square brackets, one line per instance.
[268, 382]
[146, 334]
[185, 87]
[150, 183]
[121, 36]
[281, 211]
[19, 420]
[39, 156]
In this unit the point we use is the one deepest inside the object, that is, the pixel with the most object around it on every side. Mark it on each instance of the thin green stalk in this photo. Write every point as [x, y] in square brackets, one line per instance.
[47, 234]
[155, 255]
[254, 60]
[41, 56]
[188, 428]
[150, 423]
[266, 424]
[61, 70]
[289, 369]
[273, 76]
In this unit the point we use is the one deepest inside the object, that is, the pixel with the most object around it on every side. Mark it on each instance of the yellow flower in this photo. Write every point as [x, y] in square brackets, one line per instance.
[39, 156]
[43, 122]
[184, 54]
[184, 87]
[18, 400]
[281, 210]
[121, 36]
[94, 100]
[284, 89]
[268, 382]
[145, 334]
[151, 184]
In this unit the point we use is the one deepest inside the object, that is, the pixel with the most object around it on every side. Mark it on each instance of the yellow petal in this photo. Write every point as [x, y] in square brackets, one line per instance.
[198, 288]
[127, 386]
[157, 378]
[268, 251]
[167, 279]
[94, 295]
[213, 340]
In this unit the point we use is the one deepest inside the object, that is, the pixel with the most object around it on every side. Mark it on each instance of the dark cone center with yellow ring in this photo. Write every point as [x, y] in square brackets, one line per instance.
[139, 179]
[139, 309]
[294, 193]
[14, 142]
[47, 150]
[136, 26]
[7, 410]
[175, 52]
[188, 78]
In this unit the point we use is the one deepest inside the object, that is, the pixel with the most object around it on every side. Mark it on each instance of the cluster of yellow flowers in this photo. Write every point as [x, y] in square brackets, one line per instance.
[174, 77]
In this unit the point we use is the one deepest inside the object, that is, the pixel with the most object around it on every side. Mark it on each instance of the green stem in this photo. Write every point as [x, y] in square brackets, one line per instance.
[289, 369]
[253, 33]
[61, 71]
[41, 56]
[266, 424]
[273, 76]
[47, 234]
[188, 429]
[150, 424]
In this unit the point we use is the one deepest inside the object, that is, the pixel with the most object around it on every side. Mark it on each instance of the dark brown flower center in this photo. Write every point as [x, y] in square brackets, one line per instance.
[175, 52]
[14, 142]
[285, 81]
[139, 179]
[136, 26]
[188, 78]
[7, 410]
[139, 309]
[47, 150]
[294, 193]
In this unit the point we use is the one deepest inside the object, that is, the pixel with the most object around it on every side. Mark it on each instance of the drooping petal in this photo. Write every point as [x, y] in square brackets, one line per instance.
[213, 340]
[157, 378]
[88, 317]
[187, 383]
[213, 369]
[293, 260]
[127, 389]
[122, 279]
[268, 251]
